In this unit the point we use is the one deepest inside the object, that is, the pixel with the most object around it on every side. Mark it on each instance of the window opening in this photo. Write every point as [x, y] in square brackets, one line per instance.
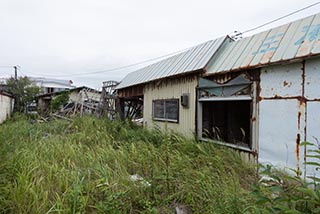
[226, 111]
[166, 110]
[227, 121]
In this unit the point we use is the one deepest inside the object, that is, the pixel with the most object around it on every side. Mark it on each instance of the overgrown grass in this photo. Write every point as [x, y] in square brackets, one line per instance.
[85, 167]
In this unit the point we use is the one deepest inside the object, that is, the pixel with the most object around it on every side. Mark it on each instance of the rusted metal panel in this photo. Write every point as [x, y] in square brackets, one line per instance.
[194, 59]
[312, 79]
[287, 42]
[281, 81]
[280, 133]
[313, 131]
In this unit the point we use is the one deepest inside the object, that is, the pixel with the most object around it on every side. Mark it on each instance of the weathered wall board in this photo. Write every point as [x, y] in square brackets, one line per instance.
[6, 106]
[172, 89]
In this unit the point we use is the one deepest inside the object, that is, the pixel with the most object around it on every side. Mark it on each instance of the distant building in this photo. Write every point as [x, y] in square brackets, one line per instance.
[48, 85]
[81, 94]
[52, 85]
[3, 80]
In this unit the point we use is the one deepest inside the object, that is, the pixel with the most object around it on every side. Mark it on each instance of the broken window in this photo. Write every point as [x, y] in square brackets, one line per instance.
[225, 111]
[166, 110]
[227, 121]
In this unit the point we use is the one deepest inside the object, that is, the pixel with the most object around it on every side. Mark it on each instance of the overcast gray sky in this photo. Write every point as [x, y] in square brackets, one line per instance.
[62, 38]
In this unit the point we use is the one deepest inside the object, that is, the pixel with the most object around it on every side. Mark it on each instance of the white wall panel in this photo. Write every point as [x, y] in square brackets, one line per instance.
[312, 79]
[6, 107]
[313, 131]
[281, 81]
[278, 131]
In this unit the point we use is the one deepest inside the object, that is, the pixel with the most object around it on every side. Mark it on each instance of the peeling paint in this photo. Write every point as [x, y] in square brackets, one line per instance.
[286, 84]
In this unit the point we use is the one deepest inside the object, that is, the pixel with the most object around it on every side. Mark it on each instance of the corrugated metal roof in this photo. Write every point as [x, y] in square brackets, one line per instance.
[290, 41]
[191, 60]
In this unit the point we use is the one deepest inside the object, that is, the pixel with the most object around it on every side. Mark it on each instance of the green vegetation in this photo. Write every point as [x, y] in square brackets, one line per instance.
[23, 91]
[59, 101]
[283, 193]
[85, 167]
[88, 166]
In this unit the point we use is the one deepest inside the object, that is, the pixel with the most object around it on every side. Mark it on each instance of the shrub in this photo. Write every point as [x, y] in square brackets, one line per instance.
[58, 101]
[284, 193]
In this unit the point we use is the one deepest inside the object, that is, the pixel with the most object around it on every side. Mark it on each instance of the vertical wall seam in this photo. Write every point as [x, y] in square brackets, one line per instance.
[305, 116]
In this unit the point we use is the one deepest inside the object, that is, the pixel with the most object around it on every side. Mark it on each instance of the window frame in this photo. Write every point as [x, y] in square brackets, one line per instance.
[164, 119]
[251, 96]
[248, 147]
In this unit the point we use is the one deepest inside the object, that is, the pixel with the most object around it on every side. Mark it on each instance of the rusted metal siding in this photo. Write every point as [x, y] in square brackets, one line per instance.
[194, 59]
[312, 94]
[278, 131]
[312, 79]
[313, 130]
[289, 113]
[281, 81]
[172, 89]
[299, 39]
[6, 107]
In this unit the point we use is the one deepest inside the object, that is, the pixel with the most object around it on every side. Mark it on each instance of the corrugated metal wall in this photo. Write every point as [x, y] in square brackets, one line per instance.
[168, 89]
[289, 112]
[6, 107]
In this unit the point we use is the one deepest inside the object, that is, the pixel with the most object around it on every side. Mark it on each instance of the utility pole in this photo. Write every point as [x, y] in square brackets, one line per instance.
[15, 72]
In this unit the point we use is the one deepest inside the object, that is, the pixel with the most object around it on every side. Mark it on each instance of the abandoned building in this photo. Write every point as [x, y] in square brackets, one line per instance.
[259, 95]
[85, 96]
[6, 105]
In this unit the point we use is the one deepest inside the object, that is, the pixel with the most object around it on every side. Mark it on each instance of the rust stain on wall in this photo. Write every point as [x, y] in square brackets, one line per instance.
[298, 152]
[299, 119]
[287, 84]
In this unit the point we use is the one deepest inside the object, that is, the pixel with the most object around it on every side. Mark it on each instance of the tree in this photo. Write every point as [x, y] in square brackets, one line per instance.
[24, 92]
[59, 101]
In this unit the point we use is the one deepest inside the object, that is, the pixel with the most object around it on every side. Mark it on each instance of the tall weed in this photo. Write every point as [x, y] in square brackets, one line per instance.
[85, 166]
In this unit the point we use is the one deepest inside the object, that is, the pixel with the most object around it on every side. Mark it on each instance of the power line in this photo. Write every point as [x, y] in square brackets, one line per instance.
[170, 54]
[282, 17]
[121, 67]
[19, 70]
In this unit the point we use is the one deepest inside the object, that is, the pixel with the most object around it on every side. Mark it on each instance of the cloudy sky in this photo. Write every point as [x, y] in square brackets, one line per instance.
[66, 39]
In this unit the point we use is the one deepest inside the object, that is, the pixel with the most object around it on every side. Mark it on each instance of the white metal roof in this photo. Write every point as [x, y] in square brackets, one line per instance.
[191, 60]
[290, 41]
[49, 82]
